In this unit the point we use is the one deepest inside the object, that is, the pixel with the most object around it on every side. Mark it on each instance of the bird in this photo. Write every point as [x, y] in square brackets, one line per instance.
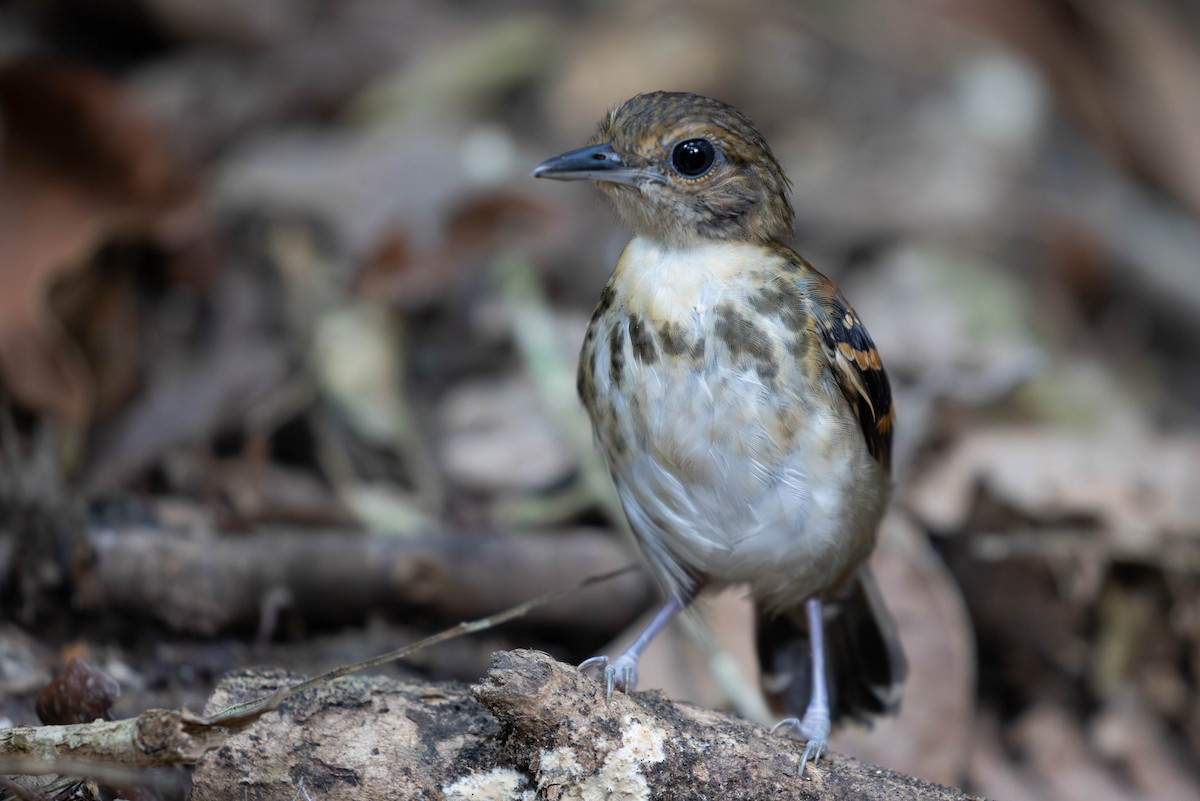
[741, 406]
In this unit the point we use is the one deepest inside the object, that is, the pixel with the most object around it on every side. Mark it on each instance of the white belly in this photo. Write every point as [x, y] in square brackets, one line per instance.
[712, 496]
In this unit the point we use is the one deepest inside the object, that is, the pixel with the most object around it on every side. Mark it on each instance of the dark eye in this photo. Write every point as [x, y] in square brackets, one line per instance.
[692, 158]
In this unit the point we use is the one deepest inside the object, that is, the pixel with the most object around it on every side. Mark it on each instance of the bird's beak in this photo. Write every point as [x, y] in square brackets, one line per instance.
[592, 163]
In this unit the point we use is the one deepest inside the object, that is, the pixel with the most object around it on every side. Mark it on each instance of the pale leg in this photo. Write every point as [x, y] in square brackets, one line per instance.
[622, 671]
[815, 725]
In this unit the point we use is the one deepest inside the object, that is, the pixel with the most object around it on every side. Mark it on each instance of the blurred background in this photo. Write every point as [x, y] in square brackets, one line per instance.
[287, 348]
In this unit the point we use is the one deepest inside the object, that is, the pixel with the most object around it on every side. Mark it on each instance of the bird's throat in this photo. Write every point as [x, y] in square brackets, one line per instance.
[667, 283]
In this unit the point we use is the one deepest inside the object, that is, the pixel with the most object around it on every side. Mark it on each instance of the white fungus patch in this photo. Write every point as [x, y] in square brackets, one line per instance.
[559, 763]
[498, 784]
[620, 776]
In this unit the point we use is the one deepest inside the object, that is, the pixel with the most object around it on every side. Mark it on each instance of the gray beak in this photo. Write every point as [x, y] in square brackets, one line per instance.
[591, 163]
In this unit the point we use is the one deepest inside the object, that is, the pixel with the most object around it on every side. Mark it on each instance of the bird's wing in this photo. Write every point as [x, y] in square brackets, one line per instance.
[858, 369]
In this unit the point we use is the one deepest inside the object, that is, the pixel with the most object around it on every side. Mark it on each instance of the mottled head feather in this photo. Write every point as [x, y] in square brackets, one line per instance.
[744, 197]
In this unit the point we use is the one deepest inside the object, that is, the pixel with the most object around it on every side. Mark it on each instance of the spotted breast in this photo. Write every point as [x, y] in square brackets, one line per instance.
[735, 452]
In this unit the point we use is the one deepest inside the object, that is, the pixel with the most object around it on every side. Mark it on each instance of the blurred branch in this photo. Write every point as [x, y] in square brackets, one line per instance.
[207, 583]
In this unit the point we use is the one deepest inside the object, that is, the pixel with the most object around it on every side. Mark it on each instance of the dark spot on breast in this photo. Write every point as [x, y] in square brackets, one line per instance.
[584, 384]
[801, 344]
[641, 339]
[783, 300]
[606, 300]
[616, 355]
[739, 333]
[616, 440]
[674, 341]
[764, 301]
[745, 337]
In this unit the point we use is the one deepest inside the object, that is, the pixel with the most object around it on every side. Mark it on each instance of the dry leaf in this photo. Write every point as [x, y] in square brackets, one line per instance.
[79, 166]
[498, 437]
[1137, 490]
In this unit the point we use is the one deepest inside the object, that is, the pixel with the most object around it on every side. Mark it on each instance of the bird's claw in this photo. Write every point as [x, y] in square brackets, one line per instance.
[619, 673]
[812, 751]
[814, 728]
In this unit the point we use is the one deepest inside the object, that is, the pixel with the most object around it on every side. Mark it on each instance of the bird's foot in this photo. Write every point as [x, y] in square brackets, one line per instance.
[619, 673]
[814, 728]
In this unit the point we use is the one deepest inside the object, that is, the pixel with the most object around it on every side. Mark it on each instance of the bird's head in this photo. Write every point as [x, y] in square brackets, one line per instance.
[683, 169]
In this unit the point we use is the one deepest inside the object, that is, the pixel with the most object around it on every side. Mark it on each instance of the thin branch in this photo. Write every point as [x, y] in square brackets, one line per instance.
[238, 716]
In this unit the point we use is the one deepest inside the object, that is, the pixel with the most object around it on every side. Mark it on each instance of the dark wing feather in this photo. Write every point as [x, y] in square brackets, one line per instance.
[858, 369]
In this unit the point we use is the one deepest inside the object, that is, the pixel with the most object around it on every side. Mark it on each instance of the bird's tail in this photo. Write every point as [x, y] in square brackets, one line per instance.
[865, 665]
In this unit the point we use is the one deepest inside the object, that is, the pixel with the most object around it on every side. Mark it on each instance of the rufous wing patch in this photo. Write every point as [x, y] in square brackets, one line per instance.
[859, 372]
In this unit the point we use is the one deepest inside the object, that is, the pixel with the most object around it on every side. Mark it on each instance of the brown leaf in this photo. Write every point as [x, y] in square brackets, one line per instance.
[498, 438]
[80, 166]
[1137, 489]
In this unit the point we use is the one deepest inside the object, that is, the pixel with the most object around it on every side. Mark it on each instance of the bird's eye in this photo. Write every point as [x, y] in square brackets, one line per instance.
[692, 158]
